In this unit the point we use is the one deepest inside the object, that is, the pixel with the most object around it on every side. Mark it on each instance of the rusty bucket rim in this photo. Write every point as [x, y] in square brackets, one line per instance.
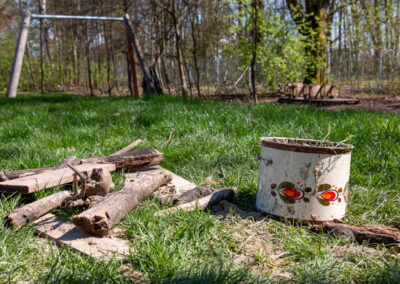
[281, 143]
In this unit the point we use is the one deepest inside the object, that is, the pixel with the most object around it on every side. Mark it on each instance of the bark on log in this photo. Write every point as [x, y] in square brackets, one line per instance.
[76, 204]
[94, 199]
[365, 234]
[202, 203]
[89, 202]
[99, 219]
[32, 211]
[134, 160]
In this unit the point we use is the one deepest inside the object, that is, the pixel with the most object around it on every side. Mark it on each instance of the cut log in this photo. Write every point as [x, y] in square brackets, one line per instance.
[134, 160]
[53, 178]
[202, 203]
[22, 173]
[32, 211]
[99, 219]
[127, 148]
[168, 192]
[365, 234]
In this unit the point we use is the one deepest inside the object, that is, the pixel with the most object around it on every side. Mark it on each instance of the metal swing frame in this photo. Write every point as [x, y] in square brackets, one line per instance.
[23, 36]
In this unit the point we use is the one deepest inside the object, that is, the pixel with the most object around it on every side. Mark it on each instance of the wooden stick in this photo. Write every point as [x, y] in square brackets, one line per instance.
[3, 177]
[222, 172]
[170, 137]
[202, 203]
[83, 180]
[364, 234]
[99, 219]
[32, 211]
[127, 148]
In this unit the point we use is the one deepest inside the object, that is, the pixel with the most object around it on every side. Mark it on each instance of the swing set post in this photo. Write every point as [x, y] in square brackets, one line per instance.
[19, 56]
[23, 37]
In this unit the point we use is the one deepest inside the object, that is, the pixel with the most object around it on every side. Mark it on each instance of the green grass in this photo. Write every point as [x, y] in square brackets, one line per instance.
[39, 131]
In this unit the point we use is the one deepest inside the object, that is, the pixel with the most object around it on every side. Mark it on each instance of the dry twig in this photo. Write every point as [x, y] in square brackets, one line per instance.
[170, 137]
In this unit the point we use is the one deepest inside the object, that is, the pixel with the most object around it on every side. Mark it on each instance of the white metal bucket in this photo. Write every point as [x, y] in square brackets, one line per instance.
[303, 179]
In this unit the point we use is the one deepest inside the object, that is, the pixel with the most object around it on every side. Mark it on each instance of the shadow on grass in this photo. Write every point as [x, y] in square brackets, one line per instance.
[46, 99]
[49, 98]
[197, 274]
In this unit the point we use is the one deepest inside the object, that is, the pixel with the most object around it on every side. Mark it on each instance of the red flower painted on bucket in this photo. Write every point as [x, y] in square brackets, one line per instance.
[330, 195]
[289, 192]
[327, 194]
[293, 193]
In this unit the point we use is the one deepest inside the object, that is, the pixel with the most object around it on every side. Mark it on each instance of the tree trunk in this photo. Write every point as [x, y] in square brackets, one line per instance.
[257, 7]
[132, 66]
[179, 55]
[196, 65]
[148, 82]
[313, 22]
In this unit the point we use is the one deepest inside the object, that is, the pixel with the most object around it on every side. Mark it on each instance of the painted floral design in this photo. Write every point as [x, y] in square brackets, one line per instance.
[326, 194]
[290, 193]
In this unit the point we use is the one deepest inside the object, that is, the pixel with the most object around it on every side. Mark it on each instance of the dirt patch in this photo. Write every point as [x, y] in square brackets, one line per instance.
[378, 103]
[381, 103]
[252, 240]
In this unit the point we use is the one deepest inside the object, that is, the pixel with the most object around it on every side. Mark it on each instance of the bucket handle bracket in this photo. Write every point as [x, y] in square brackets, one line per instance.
[267, 162]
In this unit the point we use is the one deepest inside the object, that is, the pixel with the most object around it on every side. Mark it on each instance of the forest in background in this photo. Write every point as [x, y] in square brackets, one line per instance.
[202, 47]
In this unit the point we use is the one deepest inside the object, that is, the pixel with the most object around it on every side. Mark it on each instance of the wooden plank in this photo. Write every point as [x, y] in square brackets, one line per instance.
[114, 245]
[319, 101]
[44, 180]
[65, 233]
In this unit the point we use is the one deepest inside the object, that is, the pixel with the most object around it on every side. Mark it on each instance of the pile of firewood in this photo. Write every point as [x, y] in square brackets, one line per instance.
[92, 183]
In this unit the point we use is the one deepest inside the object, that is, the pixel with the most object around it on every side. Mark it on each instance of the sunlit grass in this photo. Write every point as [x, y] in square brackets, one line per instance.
[39, 131]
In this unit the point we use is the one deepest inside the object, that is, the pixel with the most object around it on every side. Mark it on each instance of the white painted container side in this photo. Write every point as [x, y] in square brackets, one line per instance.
[300, 179]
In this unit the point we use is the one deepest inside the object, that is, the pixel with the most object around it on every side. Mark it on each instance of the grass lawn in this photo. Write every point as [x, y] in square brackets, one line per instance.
[39, 131]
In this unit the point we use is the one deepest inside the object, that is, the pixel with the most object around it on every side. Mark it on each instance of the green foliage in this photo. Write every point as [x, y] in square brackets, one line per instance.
[279, 53]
